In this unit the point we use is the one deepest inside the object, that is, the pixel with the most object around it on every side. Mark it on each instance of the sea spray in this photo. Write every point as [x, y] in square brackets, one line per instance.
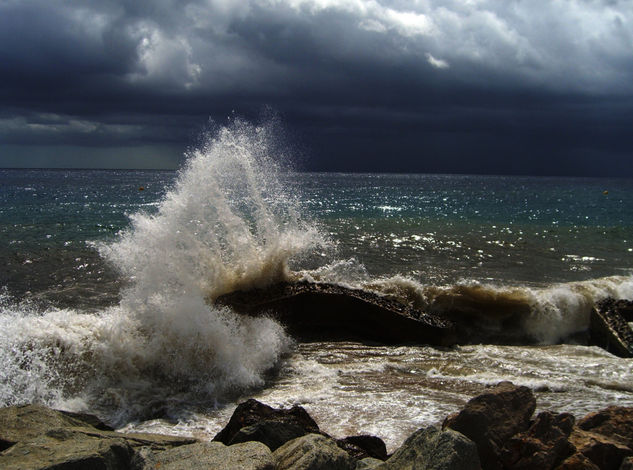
[228, 223]
[545, 315]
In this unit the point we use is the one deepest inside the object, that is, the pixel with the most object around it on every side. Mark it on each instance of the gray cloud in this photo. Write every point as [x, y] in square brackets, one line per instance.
[470, 77]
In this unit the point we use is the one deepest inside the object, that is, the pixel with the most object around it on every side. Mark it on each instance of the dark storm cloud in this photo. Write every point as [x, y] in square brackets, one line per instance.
[456, 86]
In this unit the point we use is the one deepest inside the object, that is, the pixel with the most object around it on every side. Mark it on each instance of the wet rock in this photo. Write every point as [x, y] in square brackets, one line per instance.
[364, 446]
[313, 452]
[609, 329]
[212, 456]
[577, 462]
[623, 306]
[432, 448]
[273, 434]
[492, 418]
[544, 445]
[252, 412]
[319, 311]
[605, 451]
[614, 421]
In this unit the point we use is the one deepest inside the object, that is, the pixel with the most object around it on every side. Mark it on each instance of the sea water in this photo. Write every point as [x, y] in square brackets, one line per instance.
[109, 278]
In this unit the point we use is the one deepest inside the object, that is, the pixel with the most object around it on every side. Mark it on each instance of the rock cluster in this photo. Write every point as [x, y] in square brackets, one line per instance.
[501, 425]
[494, 431]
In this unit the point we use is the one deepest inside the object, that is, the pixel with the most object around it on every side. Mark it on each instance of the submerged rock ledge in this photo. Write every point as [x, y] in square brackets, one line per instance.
[494, 431]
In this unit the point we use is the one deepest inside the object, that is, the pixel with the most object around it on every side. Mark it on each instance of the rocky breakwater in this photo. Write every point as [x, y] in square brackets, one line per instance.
[494, 431]
[316, 311]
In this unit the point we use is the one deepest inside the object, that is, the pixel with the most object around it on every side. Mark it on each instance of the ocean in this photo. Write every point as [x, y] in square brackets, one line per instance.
[109, 277]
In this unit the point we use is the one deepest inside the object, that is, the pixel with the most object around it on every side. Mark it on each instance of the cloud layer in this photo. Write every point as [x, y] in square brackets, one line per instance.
[470, 80]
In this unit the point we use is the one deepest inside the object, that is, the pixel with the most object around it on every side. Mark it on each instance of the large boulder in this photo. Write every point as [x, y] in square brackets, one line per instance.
[313, 452]
[18, 423]
[252, 412]
[433, 449]
[614, 421]
[61, 449]
[544, 445]
[36, 437]
[320, 311]
[606, 452]
[212, 456]
[492, 418]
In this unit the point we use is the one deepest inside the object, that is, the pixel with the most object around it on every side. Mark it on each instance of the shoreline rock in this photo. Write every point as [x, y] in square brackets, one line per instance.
[313, 311]
[494, 430]
[318, 311]
[609, 326]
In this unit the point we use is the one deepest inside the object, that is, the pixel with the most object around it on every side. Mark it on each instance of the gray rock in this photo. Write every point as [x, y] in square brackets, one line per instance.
[433, 449]
[312, 452]
[212, 456]
[60, 449]
[36, 437]
[368, 463]
[271, 433]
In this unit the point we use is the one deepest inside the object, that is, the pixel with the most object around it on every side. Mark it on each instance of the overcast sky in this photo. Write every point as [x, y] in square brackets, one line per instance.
[454, 86]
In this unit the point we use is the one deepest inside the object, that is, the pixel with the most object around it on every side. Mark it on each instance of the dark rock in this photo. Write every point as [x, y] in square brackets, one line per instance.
[315, 311]
[577, 462]
[212, 456]
[609, 329]
[364, 446]
[252, 412]
[615, 422]
[604, 451]
[313, 452]
[623, 306]
[432, 448]
[544, 445]
[273, 434]
[627, 464]
[492, 418]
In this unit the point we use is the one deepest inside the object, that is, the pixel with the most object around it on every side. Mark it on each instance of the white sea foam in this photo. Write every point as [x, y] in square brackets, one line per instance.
[227, 224]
